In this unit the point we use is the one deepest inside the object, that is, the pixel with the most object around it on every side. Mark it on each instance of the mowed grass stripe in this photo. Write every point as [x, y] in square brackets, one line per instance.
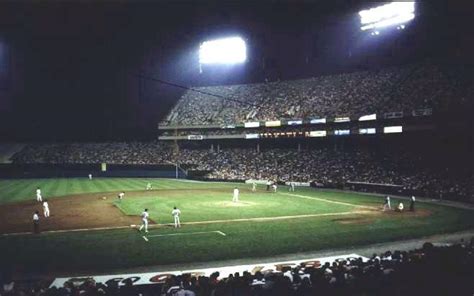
[52, 188]
[138, 184]
[100, 185]
[27, 190]
[327, 200]
[9, 193]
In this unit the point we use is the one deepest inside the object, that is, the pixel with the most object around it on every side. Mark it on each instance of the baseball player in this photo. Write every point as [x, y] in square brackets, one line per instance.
[90, 176]
[274, 187]
[292, 186]
[144, 216]
[254, 186]
[36, 220]
[45, 208]
[235, 197]
[412, 203]
[386, 204]
[121, 195]
[400, 207]
[175, 213]
[38, 195]
[148, 186]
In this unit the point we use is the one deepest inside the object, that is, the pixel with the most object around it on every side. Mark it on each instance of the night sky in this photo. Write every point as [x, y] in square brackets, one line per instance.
[88, 71]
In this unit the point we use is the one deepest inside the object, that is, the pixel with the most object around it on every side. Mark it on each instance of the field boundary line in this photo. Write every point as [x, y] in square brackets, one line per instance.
[259, 219]
[328, 200]
[187, 233]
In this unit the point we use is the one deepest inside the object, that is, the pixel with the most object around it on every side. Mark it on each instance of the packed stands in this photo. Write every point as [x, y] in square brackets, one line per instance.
[415, 171]
[394, 89]
[430, 270]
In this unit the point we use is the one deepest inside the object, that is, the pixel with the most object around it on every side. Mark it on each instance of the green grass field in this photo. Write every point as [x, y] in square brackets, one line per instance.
[322, 221]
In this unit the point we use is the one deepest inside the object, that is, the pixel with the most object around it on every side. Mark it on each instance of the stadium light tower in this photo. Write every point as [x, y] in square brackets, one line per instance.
[231, 50]
[392, 14]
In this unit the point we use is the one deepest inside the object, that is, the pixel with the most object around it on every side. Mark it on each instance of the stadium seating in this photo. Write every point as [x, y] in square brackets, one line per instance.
[431, 270]
[323, 165]
[401, 88]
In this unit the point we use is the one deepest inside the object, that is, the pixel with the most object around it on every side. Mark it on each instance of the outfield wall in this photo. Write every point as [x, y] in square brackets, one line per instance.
[83, 170]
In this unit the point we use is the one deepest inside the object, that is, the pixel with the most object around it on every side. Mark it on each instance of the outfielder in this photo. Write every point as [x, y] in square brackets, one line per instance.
[292, 186]
[45, 208]
[175, 213]
[254, 186]
[235, 197]
[144, 221]
[90, 176]
[38, 195]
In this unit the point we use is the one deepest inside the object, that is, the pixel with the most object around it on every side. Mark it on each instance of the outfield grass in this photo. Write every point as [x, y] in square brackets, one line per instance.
[106, 250]
[25, 189]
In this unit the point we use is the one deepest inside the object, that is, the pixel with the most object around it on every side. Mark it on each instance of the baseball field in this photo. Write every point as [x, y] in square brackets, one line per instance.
[91, 230]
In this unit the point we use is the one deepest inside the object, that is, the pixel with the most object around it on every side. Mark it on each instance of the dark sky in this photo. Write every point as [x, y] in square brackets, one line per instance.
[68, 70]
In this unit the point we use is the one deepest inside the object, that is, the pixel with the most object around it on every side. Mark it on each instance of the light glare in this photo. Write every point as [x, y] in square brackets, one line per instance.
[223, 51]
[386, 15]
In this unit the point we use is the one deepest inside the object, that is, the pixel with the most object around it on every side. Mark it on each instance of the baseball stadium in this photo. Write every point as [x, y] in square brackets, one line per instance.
[236, 148]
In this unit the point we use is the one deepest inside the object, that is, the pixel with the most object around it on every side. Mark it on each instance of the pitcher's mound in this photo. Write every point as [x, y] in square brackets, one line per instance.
[228, 204]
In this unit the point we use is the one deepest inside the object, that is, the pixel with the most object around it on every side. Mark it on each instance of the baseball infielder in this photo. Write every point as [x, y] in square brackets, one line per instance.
[38, 195]
[45, 208]
[235, 197]
[148, 186]
[144, 221]
[175, 213]
[121, 195]
[386, 205]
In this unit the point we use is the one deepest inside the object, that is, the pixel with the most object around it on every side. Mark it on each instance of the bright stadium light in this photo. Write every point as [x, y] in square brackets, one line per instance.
[391, 14]
[231, 50]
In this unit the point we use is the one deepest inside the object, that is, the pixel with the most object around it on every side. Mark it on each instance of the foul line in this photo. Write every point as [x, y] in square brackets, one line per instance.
[262, 219]
[187, 233]
[328, 201]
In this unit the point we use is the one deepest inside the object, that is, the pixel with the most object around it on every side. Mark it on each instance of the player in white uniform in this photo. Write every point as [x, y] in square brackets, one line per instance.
[176, 213]
[274, 187]
[400, 207]
[292, 186]
[38, 195]
[386, 205]
[36, 220]
[45, 208]
[144, 216]
[148, 186]
[90, 176]
[121, 195]
[254, 186]
[235, 197]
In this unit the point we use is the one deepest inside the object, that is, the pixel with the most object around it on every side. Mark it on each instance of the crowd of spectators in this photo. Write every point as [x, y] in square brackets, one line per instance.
[93, 153]
[443, 269]
[322, 165]
[393, 89]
